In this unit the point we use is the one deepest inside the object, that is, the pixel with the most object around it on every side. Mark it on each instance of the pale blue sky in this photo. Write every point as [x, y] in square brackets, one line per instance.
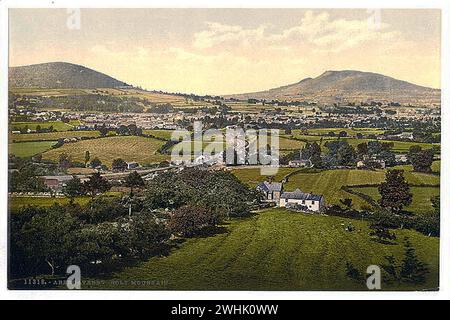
[222, 51]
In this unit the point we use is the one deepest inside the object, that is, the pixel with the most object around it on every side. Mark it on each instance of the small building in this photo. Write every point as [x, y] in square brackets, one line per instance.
[56, 183]
[271, 190]
[401, 158]
[132, 165]
[299, 163]
[300, 199]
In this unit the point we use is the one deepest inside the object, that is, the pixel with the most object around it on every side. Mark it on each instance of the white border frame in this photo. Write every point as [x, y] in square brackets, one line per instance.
[443, 293]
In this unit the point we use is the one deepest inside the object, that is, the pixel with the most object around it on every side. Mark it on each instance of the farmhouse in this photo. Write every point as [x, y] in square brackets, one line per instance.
[56, 183]
[271, 190]
[298, 198]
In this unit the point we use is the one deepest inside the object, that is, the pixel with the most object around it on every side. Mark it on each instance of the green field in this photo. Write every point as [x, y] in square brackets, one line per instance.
[19, 202]
[163, 134]
[29, 149]
[52, 136]
[277, 250]
[421, 202]
[252, 176]
[57, 125]
[129, 148]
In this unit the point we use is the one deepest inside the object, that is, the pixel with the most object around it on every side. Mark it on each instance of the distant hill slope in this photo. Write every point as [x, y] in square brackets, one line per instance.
[349, 86]
[59, 75]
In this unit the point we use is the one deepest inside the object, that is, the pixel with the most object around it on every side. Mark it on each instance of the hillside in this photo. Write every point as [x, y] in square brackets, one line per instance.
[59, 75]
[349, 86]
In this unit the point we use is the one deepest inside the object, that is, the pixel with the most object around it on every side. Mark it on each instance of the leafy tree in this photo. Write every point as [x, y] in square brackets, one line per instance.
[421, 160]
[346, 155]
[395, 192]
[87, 157]
[143, 235]
[312, 152]
[134, 180]
[25, 180]
[391, 268]
[190, 220]
[96, 184]
[73, 188]
[48, 238]
[119, 164]
[102, 209]
[64, 161]
[412, 270]
[103, 130]
[362, 149]
[436, 203]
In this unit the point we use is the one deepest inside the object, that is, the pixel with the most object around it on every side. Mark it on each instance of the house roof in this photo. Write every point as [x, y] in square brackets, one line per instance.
[270, 187]
[300, 195]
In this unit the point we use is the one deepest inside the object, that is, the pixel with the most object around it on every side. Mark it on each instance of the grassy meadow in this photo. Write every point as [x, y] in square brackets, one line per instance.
[57, 125]
[277, 250]
[29, 149]
[52, 136]
[129, 148]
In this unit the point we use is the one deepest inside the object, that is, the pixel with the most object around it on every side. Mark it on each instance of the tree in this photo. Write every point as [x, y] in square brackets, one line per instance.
[48, 238]
[87, 157]
[119, 164]
[73, 188]
[412, 270]
[190, 220]
[144, 235]
[436, 202]
[312, 152]
[103, 130]
[96, 163]
[362, 149]
[395, 192]
[134, 180]
[96, 184]
[64, 161]
[421, 160]
[346, 155]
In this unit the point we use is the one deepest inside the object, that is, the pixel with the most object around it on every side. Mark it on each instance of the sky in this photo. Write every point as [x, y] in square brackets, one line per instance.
[227, 51]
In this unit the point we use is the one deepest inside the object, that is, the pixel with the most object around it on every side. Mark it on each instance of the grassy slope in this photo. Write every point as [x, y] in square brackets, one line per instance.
[28, 149]
[278, 250]
[52, 135]
[57, 125]
[252, 176]
[18, 202]
[421, 198]
[129, 148]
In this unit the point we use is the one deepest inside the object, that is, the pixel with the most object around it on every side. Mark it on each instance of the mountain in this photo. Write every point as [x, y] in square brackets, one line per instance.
[349, 86]
[59, 75]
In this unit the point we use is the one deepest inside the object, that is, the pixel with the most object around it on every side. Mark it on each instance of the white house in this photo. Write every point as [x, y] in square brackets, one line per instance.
[310, 202]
